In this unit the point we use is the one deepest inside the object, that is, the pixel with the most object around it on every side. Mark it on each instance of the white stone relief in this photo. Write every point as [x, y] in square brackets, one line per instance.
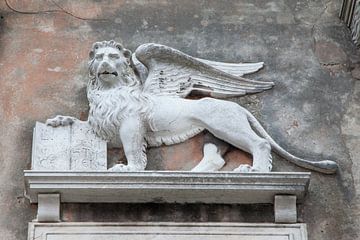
[350, 14]
[51, 148]
[71, 147]
[355, 26]
[139, 100]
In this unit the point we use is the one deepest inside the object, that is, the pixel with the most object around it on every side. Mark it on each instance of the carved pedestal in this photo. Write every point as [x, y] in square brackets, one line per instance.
[282, 189]
[69, 166]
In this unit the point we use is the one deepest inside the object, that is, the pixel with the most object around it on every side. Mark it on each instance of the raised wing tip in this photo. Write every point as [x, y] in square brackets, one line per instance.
[270, 85]
[263, 88]
[265, 85]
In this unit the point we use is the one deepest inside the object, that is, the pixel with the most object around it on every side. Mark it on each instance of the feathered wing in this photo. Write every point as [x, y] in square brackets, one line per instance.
[174, 73]
[236, 69]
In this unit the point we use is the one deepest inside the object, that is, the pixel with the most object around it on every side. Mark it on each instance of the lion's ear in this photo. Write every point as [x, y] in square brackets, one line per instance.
[127, 53]
[94, 47]
[91, 54]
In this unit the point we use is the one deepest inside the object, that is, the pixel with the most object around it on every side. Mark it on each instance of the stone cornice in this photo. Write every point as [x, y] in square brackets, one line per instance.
[166, 186]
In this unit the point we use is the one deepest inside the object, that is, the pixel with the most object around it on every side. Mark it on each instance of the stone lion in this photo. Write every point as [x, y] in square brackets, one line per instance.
[140, 100]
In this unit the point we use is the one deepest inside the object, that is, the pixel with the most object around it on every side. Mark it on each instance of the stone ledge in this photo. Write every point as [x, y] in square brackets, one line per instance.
[162, 231]
[166, 186]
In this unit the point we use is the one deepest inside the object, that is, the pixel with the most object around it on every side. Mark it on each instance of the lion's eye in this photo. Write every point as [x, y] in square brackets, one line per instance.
[99, 56]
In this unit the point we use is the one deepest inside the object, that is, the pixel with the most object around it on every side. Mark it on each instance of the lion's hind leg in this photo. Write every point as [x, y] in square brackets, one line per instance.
[262, 159]
[228, 121]
[246, 139]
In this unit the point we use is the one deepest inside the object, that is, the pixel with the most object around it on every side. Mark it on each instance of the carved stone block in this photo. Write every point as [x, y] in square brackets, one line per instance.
[48, 207]
[285, 209]
[72, 147]
[164, 231]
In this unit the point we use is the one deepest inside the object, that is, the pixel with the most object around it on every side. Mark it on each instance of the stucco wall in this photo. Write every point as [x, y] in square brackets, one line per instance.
[313, 111]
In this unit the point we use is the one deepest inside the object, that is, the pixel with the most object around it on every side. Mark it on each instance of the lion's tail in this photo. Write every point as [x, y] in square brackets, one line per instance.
[323, 166]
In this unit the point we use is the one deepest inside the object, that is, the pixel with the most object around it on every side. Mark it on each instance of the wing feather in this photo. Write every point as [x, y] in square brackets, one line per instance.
[174, 73]
[237, 69]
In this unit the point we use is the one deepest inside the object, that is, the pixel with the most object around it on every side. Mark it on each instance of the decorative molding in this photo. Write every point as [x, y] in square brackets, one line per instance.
[163, 231]
[166, 186]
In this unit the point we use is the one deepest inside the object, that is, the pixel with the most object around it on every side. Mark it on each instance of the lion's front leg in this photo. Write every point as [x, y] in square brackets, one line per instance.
[132, 137]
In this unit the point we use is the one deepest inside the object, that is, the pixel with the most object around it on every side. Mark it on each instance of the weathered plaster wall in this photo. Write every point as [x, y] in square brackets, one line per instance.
[313, 110]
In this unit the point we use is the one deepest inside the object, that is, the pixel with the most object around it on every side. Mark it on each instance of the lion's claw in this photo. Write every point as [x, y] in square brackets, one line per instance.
[120, 168]
[243, 168]
[60, 121]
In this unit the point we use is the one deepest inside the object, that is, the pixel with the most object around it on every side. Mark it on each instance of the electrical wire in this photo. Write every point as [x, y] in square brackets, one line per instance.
[62, 10]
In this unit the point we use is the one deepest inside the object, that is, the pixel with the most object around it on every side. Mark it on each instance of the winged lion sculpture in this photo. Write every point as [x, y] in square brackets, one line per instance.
[140, 100]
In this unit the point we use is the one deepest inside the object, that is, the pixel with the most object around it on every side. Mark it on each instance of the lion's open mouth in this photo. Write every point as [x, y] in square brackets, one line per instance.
[108, 73]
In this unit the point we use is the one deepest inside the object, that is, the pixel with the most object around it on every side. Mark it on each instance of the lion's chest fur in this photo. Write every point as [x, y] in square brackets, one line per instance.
[109, 108]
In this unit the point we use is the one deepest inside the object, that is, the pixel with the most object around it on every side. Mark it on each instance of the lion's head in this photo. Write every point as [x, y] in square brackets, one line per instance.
[109, 65]
[111, 88]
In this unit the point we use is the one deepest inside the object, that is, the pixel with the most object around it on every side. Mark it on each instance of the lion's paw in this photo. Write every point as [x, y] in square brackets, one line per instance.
[120, 168]
[243, 168]
[60, 121]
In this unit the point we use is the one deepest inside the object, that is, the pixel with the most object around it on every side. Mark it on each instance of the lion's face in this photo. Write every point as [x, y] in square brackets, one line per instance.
[109, 63]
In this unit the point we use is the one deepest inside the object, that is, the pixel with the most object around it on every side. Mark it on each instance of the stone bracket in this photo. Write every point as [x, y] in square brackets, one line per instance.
[48, 207]
[285, 209]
